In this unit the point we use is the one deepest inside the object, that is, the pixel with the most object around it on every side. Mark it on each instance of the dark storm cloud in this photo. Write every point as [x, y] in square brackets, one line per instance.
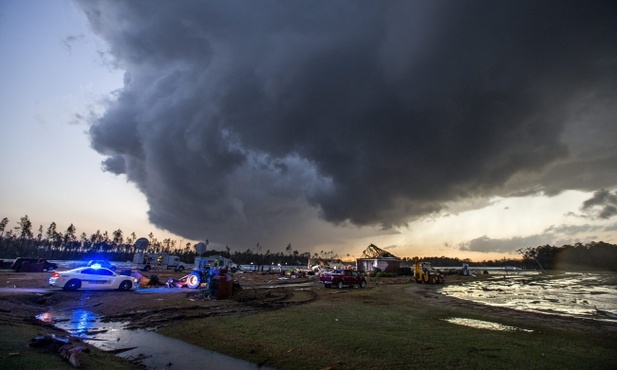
[603, 204]
[237, 115]
[485, 244]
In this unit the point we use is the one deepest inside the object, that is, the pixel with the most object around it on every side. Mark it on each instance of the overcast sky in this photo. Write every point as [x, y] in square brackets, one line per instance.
[458, 128]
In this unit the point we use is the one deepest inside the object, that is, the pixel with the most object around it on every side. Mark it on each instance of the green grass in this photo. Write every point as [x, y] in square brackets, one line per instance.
[387, 328]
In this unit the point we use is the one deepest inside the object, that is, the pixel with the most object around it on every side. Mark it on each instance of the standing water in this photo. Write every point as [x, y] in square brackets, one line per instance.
[149, 348]
[584, 295]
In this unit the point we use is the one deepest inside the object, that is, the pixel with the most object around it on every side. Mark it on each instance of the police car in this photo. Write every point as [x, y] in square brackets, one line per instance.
[92, 278]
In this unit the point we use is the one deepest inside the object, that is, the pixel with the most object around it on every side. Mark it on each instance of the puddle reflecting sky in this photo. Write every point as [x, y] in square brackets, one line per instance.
[488, 325]
[153, 350]
[569, 294]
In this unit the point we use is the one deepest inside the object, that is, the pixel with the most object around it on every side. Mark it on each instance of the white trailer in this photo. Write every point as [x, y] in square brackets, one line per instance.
[158, 261]
[212, 262]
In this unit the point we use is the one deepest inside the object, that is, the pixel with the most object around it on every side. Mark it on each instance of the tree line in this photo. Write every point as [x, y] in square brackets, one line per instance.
[589, 256]
[51, 243]
[578, 257]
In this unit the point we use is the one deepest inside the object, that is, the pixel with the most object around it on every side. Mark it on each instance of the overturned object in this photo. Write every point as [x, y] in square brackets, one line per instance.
[60, 345]
[607, 314]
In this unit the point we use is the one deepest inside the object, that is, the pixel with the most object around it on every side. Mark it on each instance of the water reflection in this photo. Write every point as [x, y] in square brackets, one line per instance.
[78, 322]
[488, 325]
[570, 294]
[153, 350]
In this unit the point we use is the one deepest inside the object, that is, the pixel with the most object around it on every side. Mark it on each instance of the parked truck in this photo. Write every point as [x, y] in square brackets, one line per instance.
[25, 264]
[158, 261]
[342, 278]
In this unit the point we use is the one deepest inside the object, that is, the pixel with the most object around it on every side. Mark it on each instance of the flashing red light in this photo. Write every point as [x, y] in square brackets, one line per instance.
[55, 274]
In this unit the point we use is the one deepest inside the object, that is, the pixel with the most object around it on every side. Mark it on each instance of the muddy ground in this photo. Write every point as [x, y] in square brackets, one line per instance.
[25, 295]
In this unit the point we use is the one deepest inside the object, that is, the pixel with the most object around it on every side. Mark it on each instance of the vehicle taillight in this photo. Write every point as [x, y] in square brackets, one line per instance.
[55, 274]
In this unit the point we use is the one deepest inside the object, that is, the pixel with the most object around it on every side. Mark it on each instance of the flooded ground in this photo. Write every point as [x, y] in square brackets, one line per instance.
[481, 324]
[149, 348]
[584, 295]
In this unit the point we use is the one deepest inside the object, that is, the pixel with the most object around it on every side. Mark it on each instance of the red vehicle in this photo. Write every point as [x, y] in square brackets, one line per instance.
[341, 278]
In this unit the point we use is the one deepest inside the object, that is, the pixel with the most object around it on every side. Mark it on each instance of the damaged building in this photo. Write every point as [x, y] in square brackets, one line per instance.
[376, 259]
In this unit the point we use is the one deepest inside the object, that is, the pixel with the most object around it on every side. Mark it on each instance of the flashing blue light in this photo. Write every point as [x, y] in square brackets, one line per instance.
[96, 266]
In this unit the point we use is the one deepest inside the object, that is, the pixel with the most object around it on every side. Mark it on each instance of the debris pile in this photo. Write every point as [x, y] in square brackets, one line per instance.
[374, 252]
[60, 345]
[375, 259]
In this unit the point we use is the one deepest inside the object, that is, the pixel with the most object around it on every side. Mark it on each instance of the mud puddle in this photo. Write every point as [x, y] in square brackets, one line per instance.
[583, 295]
[149, 348]
[481, 324]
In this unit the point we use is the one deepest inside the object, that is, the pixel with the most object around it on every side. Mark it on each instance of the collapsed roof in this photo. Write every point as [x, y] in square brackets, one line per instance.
[372, 251]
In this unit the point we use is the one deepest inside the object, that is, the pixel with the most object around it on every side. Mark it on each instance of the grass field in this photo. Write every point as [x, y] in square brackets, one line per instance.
[392, 324]
[390, 327]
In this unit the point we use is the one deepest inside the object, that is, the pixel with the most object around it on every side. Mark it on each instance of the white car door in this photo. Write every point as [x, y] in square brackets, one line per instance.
[96, 279]
[106, 279]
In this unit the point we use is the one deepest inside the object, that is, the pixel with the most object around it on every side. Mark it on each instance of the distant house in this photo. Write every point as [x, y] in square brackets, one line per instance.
[376, 259]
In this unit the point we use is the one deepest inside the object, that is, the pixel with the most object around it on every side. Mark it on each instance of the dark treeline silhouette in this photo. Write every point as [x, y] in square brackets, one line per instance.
[51, 243]
[20, 241]
[590, 256]
[577, 257]
[454, 262]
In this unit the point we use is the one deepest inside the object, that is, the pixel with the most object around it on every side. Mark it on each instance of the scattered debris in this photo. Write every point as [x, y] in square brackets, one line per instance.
[375, 259]
[60, 345]
[154, 280]
[71, 353]
[372, 251]
[607, 314]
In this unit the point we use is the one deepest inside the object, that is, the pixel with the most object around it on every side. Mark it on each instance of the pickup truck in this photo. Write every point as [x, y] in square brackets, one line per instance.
[341, 278]
[25, 264]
